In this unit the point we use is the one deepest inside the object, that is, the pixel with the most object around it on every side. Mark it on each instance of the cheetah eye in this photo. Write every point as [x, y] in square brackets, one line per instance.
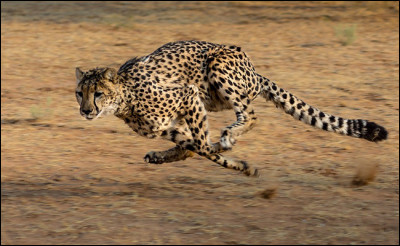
[79, 93]
[98, 94]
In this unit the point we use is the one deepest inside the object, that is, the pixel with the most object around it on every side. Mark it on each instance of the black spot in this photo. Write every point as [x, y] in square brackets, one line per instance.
[291, 100]
[313, 121]
[245, 165]
[173, 135]
[310, 111]
[332, 119]
[321, 115]
[349, 127]
[291, 111]
[360, 124]
[325, 126]
[340, 122]
[274, 87]
[190, 147]
[301, 115]
[284, 96]
[299, 106]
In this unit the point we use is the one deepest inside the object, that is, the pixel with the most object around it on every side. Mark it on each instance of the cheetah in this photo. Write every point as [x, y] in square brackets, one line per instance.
[169, 92]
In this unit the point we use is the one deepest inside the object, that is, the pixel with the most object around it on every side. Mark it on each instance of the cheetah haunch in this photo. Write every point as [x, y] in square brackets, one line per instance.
[169, 92]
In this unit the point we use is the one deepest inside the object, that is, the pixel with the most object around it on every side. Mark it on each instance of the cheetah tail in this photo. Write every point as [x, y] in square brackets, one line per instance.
[302, 111]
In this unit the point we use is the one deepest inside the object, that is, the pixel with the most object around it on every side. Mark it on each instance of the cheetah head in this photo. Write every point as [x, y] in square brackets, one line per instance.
[97, 92]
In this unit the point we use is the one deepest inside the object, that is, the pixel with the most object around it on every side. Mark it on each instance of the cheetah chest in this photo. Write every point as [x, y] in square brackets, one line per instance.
[150, 124]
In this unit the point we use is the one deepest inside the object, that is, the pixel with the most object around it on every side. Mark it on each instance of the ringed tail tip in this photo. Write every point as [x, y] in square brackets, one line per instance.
[375, 132]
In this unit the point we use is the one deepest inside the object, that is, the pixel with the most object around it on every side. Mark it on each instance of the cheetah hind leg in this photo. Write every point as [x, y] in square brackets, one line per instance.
[176, 153]
[234, 164]
[246, 120]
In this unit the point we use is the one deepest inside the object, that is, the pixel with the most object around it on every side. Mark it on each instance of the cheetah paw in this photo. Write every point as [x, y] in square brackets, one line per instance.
[250, 171]
[153, 158]
[227, 141]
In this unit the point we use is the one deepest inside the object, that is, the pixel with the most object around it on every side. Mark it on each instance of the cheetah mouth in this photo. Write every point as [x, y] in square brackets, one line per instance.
[89, 117]
[92, 116]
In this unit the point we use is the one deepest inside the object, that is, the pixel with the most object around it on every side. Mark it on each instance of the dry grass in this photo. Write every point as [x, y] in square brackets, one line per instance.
[268, 193]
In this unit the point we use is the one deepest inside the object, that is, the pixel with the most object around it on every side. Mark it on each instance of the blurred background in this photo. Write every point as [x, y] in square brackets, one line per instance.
[65, 180]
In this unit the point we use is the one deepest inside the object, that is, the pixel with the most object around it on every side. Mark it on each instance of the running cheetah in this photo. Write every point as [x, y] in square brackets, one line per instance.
[168, 93]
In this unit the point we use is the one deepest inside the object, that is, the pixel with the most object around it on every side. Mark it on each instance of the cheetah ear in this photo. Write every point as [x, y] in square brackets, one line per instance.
[109, 74]
[79, 74]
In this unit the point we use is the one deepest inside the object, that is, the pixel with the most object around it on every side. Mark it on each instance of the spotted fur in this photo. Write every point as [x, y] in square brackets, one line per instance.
[168, 93]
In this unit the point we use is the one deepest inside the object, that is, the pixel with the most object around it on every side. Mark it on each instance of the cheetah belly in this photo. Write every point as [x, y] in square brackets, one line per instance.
[213, 100]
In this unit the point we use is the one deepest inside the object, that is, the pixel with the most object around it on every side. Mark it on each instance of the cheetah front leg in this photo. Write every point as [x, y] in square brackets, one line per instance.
[176, 153]
[189, 143]
[176, 134]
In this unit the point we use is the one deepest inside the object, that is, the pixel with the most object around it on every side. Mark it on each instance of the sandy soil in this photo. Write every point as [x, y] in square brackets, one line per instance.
[65, 180]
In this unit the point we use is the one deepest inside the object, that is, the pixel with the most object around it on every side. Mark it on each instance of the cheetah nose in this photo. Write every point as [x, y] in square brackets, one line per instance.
[87, 112]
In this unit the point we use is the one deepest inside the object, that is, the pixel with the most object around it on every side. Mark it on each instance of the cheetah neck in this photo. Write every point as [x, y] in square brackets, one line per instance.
[122, 101]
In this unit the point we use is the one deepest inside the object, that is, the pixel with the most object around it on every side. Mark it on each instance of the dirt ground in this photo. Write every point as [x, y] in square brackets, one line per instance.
[65, 180]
